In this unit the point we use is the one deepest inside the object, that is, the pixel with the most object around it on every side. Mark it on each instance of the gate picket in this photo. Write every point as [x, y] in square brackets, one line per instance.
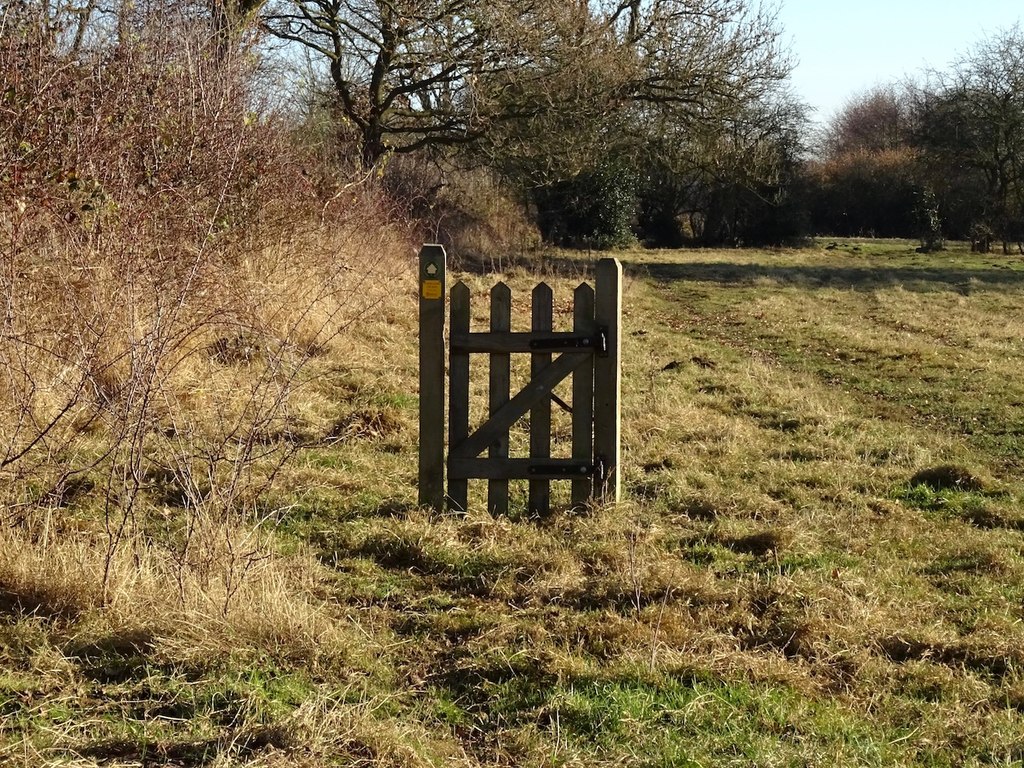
[540, 414]
[458, 394]
[498, 393]
[583, 395]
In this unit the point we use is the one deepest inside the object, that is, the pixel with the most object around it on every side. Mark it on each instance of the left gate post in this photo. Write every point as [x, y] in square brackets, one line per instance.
[431, 286]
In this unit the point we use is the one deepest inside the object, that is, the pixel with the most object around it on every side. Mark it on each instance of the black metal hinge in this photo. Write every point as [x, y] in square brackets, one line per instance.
[596, 470]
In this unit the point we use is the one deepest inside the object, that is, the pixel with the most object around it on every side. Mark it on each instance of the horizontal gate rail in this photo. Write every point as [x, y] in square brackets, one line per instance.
[520, 469]
[536, 341]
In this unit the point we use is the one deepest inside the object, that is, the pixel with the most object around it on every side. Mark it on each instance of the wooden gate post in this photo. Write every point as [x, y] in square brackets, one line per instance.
[431, 286]
[607, 377]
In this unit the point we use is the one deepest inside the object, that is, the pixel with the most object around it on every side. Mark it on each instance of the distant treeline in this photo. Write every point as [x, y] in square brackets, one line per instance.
[592, 124]
[942, 159]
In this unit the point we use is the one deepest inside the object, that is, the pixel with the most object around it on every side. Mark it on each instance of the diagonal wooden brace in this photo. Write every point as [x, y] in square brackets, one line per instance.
[537, 390]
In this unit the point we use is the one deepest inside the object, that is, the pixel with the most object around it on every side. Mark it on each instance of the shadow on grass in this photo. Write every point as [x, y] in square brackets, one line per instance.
[913, 278]
[495, 695]
[115, 658]
[186, 754]
[991, 662]
[20, 601]
[459, 572]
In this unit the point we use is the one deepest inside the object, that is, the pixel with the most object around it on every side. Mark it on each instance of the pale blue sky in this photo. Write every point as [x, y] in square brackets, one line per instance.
[842, 48]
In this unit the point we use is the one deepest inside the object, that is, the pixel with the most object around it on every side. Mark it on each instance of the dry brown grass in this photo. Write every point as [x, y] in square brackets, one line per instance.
[162, 418]
[236, 593]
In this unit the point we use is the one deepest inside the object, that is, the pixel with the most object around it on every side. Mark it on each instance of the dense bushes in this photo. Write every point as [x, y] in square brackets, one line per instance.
[866, 193]
[593, 209]
[144, 135]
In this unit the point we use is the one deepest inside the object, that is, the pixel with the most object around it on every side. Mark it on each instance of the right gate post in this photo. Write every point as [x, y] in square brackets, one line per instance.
[608, 379]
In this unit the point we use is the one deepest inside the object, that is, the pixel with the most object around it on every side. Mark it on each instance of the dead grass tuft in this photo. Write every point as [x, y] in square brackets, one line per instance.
[359, 736]
[366, 424]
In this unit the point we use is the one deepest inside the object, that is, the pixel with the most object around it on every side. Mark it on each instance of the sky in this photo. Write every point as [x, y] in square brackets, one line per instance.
[842, 48]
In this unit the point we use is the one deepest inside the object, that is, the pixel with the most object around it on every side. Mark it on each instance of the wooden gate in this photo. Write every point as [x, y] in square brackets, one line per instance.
[590, 353]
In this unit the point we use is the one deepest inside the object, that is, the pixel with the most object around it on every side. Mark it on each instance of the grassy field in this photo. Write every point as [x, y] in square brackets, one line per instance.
[818, 560]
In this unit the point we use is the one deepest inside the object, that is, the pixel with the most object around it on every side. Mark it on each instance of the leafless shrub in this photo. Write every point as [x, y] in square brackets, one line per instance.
[150, 211]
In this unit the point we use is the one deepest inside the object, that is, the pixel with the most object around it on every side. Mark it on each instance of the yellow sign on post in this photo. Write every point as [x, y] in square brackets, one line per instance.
[432, 289]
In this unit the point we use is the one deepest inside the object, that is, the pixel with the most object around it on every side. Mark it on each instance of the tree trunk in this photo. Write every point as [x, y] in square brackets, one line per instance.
[373, 146]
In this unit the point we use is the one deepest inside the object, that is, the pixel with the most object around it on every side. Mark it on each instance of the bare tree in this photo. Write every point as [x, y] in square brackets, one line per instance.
[697, 55]
[408, 74]
[411, 75]
[64, 23]
[972, 122]
[879, 119]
